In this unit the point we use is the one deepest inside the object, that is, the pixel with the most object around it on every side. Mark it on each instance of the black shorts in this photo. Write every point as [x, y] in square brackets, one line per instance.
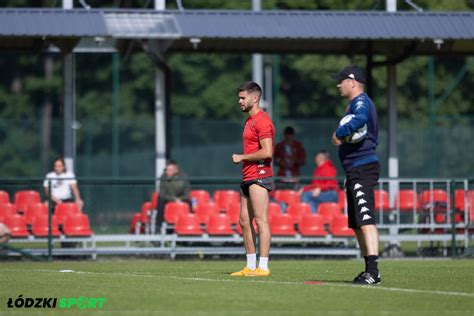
[360, 183]
[266, 183]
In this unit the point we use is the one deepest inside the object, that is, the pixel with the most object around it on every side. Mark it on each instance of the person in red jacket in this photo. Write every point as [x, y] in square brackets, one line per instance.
[321, 190]
[289, 155]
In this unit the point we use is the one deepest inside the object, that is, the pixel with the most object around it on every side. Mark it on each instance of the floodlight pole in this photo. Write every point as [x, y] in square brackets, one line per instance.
[391, 6]
[257, 59]
[69, 101]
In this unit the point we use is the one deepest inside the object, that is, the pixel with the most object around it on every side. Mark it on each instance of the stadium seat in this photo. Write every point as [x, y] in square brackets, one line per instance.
[407, 201]
[339, 227]
[40, 226]
[204, 211]
[17, 225]
[35, 210]
[429, 196]
[219, 224]
[298, 210]
[63, 210]
[282, 225]
[199, 197]
[77, 225]
[4, 197]
[25, 197]
[173, 210]
[136, 226]
[328, 211]
[273, 209]
[461, 198]
[287, 196]
[225, 198]
[7, 210]
[188, 224]
[342, 199]
[234, 213]
[312, 225]
[154, 199]
[381, 200]
[442, 218]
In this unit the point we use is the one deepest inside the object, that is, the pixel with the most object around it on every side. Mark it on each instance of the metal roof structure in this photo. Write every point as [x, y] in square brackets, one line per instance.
[349, 32]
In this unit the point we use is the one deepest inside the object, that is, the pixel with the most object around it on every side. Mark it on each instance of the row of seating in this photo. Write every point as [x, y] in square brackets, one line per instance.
[74, 225]
[21, 199]
[220, 224]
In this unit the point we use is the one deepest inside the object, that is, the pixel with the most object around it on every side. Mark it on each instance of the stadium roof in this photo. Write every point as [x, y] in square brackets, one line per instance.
[349, 32]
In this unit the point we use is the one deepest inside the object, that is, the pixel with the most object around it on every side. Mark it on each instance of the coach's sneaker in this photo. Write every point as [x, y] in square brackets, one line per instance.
[244, 272]
[259, 272]
[358, 276]
[367, 278]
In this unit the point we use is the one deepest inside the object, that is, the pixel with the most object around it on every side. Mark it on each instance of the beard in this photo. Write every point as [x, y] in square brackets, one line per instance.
[246, 108]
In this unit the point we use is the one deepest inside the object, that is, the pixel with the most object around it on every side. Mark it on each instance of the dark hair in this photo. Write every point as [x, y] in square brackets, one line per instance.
[62, 161]
[171, 162]
[289, 131]
[250, 87]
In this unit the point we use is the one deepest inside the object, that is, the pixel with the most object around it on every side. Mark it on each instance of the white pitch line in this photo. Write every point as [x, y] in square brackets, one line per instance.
[371, 287]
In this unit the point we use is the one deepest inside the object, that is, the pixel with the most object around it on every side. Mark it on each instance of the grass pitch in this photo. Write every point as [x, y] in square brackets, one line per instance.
[162, 287]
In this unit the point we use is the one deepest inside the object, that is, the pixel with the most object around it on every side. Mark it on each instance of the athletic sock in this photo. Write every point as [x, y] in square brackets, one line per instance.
[372, 265]
[263, 263]
[251, 261]
[366, 259]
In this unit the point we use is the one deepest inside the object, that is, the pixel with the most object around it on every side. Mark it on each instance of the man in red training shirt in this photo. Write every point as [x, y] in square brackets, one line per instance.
[321, 190]
[257, 172]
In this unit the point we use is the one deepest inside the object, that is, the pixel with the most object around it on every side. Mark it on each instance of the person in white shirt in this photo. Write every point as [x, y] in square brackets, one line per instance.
[63, 185]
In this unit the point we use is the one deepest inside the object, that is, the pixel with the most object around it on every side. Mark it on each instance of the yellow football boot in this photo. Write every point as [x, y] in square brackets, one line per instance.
[244, 272]
[259, 273]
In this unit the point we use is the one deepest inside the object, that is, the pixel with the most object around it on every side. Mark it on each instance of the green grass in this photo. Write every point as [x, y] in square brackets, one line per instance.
[163, 287]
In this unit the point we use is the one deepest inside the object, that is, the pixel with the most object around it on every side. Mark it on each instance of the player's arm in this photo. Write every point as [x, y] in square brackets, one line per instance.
[265, 152]
[77, 195]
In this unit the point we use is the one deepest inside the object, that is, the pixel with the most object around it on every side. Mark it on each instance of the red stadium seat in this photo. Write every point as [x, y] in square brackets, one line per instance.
[199, 197]
[136, 220]
[407, 201]
[441, 218]
[381, 200]
[146, 212]
[273, 209]
[25, 197]
[430, 196]
[17, 225]
[342, 199]
[312, 226]
[225, 198]
[7, 210]
[298, 210]
[461, 198]
[35, 210]
[234, 213]
[63, 210]
[339, 227]
[173, 210]
[77, 225]
[219, 224]
[40, 226]
[188, 224]
[4, 197]
[204, 211]
[287, 196]
[282, 225]
[328, 211]
[154, 199]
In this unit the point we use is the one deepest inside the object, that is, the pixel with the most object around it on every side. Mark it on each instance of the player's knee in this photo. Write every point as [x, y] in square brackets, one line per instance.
[244, 223]
[261, 221]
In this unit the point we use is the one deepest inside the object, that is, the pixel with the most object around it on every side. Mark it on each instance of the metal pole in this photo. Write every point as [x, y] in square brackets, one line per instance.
[276, 94]
[115, 114]
[50, 223]
[391, 6]
[257, 59]
[69, 110]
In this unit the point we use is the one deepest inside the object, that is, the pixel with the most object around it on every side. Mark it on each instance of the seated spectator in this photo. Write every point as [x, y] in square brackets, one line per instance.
[321, 190]
[174, 187]
[63, 185]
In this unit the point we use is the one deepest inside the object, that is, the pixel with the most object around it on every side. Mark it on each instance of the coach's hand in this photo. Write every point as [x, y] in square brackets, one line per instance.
[336, 141]
[237, 158]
